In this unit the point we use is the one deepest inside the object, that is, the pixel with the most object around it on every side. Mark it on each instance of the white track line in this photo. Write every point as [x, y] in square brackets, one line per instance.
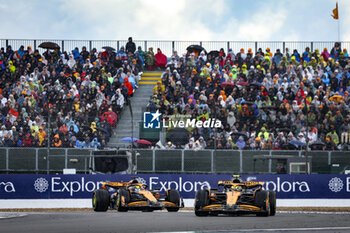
[288, 212]
[268, 230]
[311, 212]
[11, 215]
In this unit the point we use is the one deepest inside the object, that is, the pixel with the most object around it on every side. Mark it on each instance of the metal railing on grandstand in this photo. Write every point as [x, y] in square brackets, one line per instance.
[237, 161]
[22, 160]
[169, 46]
[35, 160]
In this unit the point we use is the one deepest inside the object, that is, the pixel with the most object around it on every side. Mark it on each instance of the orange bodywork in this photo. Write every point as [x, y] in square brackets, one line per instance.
[147, 194]
[138, 203]
[232, 197]
[122, 200]
[114, 184]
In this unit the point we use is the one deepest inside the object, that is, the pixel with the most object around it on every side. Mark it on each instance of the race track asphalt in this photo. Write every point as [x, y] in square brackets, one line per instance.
[161, 221]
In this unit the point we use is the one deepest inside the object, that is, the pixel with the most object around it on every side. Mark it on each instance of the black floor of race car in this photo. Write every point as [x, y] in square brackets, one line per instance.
[162, 221]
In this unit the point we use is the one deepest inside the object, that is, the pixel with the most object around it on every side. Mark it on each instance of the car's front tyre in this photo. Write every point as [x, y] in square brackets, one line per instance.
[100, 200]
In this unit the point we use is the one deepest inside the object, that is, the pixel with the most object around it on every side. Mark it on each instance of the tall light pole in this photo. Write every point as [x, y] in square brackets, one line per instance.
[132, 139]
[307, 138]
[48, 140]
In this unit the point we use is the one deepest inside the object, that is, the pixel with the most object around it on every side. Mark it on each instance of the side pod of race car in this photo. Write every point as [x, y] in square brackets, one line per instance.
[236, 197]
[134, 196]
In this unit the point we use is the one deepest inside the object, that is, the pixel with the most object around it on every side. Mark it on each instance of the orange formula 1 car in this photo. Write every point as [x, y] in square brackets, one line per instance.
[235, 198]
[134, 196]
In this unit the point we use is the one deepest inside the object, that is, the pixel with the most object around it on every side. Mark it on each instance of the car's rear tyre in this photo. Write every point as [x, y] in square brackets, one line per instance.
[201, 200]
[123, 193]
[260, 200]
[173, 196]
[100, 200]
[272, 200]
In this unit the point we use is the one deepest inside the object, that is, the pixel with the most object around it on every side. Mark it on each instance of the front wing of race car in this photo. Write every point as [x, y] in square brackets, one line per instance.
[147, 205]
[231, 209]
[148, 201]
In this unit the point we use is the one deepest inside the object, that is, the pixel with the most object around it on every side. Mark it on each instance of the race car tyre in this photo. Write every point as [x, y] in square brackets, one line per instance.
[260, 201]
[123, 193]
[272, 199]
[201, 200]
[173, 197]
[100, 200]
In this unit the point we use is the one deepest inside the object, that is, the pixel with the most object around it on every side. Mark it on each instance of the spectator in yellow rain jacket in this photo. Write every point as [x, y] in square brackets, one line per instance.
[334, 136]
[159, 88]
[264, 132]
[12, 68]
[41, 135]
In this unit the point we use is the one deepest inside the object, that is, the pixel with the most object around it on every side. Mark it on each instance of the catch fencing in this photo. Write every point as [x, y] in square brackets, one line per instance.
[38, 160]
[241, 161]
[168, 47]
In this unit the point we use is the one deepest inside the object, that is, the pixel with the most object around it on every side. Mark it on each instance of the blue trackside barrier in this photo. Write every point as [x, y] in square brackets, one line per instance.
[82, 186]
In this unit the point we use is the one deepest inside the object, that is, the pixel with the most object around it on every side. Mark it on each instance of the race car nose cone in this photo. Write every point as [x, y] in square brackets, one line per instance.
[155, 204]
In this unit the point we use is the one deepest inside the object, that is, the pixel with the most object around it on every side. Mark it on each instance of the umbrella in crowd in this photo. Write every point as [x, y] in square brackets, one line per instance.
[111, 117]
[128, 139]
[256, 84]
[144, 142]
[102, 129]
[108, 48]
[297, 143]
[227, 84]
[49, 45]
[178, 136]
[248, 102]
[243, 84]
[337, 98]
[214, 53]
[196, 49]
[317, 145]
[288, 146]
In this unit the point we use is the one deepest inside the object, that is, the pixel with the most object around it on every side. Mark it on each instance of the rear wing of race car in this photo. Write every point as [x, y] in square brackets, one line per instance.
[248, 184]
[115, 185]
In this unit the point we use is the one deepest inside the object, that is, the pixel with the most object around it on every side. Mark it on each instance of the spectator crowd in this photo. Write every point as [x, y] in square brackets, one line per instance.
[65, 98]
[265, 100]
[284, 100]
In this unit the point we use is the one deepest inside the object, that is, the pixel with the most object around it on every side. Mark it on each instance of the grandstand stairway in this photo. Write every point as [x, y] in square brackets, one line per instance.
[138, 103]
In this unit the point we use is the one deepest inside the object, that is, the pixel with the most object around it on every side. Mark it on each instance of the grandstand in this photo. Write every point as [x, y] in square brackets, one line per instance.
[266, 99]
[76, 96]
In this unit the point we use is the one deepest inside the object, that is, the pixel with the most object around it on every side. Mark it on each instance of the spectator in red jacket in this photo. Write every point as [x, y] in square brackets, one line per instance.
[129, 86]
[27, 141]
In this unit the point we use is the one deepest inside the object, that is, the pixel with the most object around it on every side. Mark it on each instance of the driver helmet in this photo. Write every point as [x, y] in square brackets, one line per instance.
[237, 179]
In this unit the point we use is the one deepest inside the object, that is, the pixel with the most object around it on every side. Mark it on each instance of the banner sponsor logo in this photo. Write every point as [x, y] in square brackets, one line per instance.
[151, 120]
[41, 185]
[154, 120]
[284, 186]
[335, 184]
[7, 187]
[179, 184]
[71, 187]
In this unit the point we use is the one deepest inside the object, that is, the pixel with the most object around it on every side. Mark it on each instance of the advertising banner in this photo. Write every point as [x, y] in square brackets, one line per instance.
[82, 186]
